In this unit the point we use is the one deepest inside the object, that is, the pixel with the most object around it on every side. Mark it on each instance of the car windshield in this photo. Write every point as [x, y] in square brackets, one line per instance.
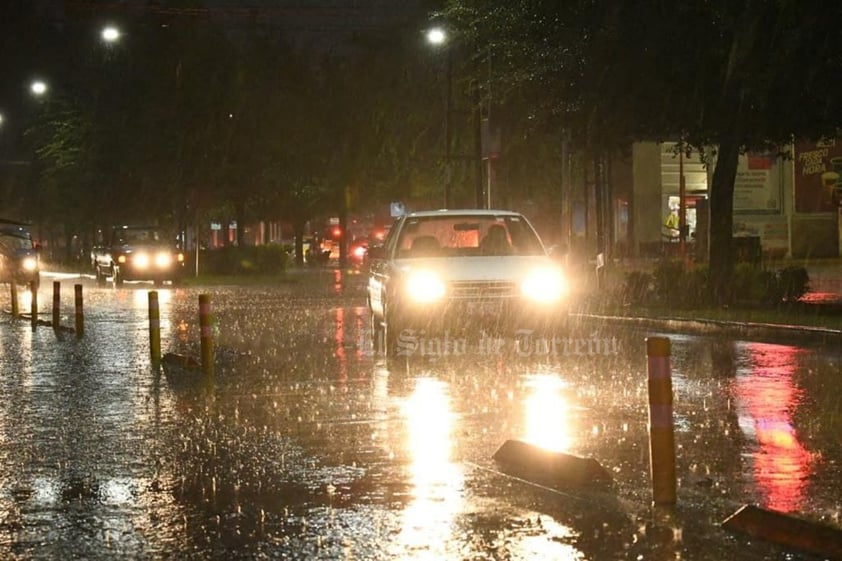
[15, 241]
[137, 236]
[469, 235]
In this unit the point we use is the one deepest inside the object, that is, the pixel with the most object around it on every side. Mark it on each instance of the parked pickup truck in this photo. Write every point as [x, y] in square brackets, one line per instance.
[19, 262]
[137, 253]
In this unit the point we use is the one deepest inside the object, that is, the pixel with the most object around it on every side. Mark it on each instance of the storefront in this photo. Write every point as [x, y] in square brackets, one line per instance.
[763, 200]
[674, 164]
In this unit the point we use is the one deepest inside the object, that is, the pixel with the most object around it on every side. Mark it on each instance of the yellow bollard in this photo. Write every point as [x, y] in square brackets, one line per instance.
[56, 304]
[34, 307]
[154, 328]
[661, 437]
[206, 328]
[80, 317]
[15, 303]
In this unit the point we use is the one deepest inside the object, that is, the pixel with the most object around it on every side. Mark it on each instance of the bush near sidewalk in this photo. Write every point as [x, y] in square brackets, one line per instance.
[672, 284]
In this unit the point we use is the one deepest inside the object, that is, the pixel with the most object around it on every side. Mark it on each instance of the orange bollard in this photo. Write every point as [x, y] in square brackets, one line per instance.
[56, 304]
[15, 303]
[661, 437]
[154, 329]
[34, 307]
[80, 317]
[206, 329]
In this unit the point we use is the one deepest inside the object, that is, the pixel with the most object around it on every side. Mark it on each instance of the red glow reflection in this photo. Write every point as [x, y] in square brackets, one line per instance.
[768, 399]
[339, 339]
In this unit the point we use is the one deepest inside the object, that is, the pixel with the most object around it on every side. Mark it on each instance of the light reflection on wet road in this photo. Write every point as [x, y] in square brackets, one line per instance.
[307, 446]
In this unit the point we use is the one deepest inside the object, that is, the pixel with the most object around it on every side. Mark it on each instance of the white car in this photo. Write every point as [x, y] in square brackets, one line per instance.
[463, 269]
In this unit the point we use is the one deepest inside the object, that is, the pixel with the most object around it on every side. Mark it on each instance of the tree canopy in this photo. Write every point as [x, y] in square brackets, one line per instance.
[188, 119]
[720, 76]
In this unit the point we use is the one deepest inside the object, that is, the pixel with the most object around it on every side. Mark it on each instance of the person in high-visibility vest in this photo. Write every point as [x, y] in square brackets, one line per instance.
[672, 223]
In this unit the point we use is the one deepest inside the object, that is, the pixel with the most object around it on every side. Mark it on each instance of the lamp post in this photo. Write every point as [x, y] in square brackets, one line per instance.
[438, 37]
[490, 139]
[38, 87]
[110, 34]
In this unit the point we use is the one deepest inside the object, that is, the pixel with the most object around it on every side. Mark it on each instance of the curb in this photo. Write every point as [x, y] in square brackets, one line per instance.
[765, 331]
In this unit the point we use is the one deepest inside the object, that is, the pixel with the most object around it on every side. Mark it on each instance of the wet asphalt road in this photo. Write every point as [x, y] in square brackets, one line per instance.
[306, 445]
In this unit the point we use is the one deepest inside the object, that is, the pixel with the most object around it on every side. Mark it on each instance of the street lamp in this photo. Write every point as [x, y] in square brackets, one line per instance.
[110, 34]
[438, 37]
[38, 87]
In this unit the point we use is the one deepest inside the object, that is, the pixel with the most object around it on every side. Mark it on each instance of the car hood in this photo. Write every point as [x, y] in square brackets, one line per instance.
[507, 268]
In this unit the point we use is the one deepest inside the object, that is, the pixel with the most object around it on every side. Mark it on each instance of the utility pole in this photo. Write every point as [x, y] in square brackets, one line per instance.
[682, 204]
[448, 163]
[478, 146]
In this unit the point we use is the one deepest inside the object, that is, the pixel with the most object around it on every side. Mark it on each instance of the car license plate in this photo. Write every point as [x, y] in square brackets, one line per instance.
[485, 309]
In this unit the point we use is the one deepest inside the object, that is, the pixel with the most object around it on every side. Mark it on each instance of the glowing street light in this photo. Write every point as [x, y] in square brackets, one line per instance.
[110, 34]
[436, 36]
[38, 87]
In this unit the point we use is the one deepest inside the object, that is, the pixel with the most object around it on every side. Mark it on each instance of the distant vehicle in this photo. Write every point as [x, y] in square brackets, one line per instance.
[466, 268]
[19, 260]
[358, 253]
[314, 252]
[137, 253]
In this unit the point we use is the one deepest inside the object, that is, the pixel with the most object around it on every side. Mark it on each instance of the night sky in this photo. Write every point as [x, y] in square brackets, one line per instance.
[311, 16]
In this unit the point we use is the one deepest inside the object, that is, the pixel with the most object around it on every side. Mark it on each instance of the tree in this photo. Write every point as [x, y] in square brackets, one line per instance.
[720, 76]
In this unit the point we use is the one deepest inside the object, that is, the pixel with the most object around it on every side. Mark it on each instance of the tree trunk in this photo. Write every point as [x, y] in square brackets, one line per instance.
[722, 220]
[298, 233]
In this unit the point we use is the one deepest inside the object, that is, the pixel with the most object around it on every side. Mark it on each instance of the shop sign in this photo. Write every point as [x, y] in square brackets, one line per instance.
[757, 185]
[818, 167]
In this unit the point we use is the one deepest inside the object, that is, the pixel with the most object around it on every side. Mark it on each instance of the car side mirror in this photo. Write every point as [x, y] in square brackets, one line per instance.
[376, 252]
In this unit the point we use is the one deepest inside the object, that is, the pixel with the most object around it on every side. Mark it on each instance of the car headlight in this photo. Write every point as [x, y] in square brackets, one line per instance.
[163, 259]
[544, 285]
[140, 260]
[424, 286]
[29, 264]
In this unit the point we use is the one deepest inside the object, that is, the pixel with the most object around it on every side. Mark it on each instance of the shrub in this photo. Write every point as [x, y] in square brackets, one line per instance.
[669, 282]
[794, 283]
[754, 285]
[673, 285]
[637, 288]
[696, 288]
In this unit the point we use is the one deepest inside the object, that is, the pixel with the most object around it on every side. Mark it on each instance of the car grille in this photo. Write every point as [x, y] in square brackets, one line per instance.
[483, 290]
